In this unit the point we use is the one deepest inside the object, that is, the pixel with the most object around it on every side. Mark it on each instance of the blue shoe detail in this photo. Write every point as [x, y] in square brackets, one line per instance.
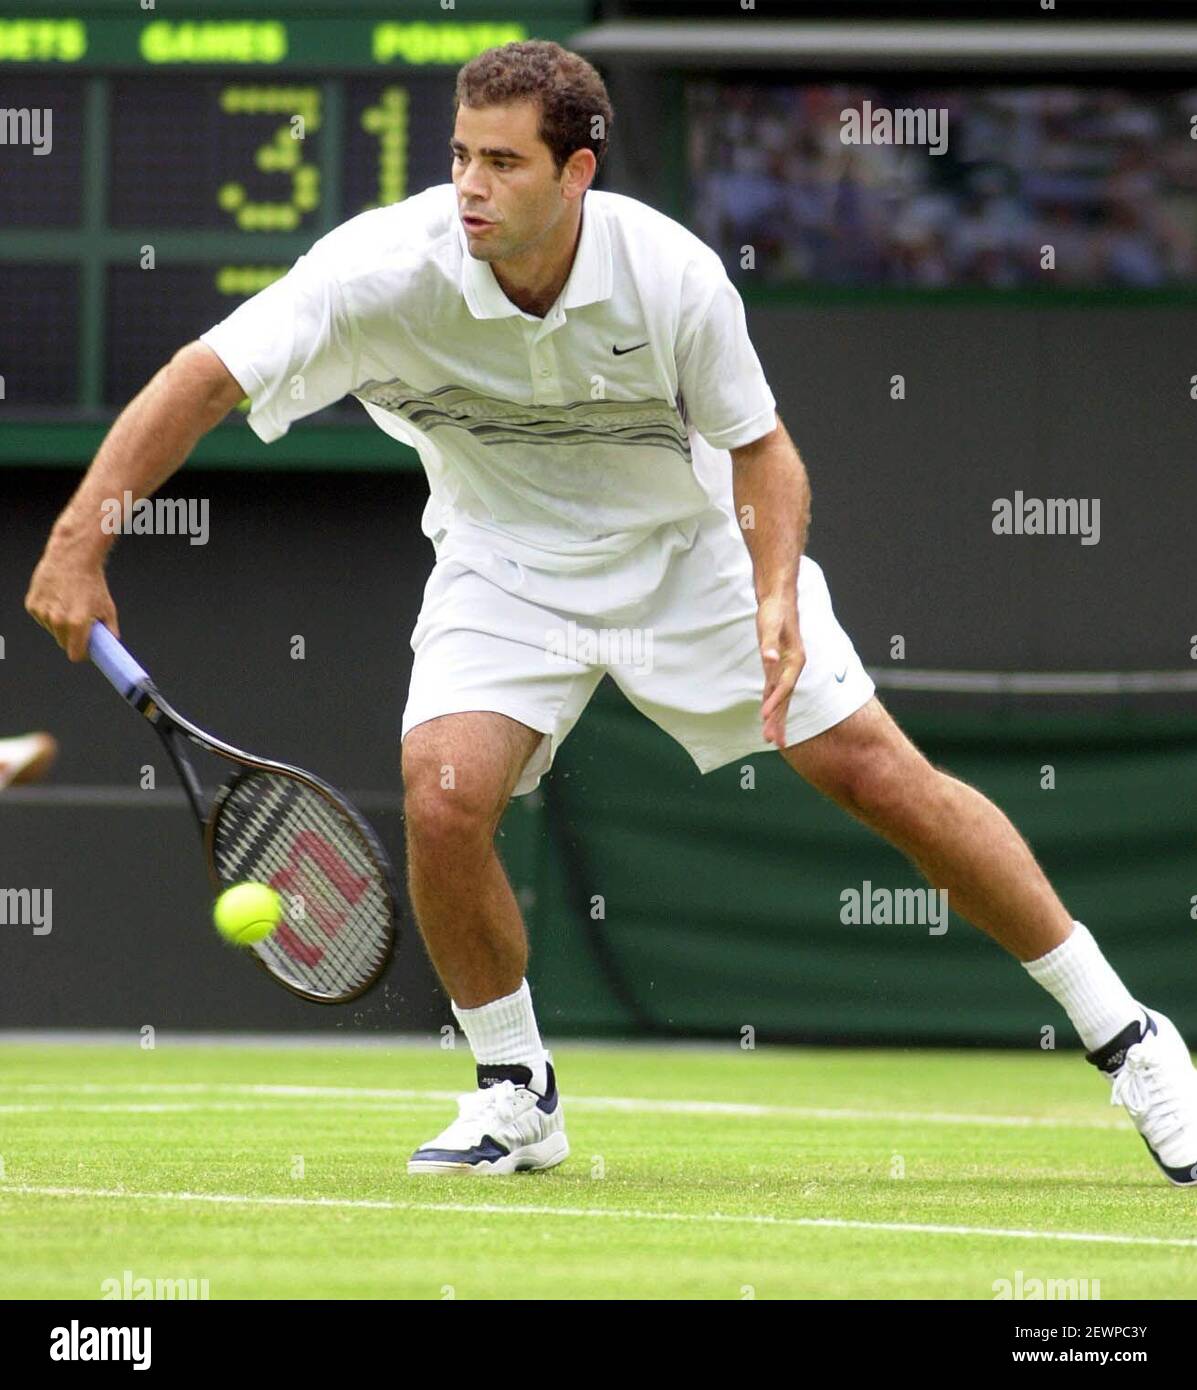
[490, 1074]
[548, 1102]
[1110, 1057]
[1182, 1177]
[486, 1152]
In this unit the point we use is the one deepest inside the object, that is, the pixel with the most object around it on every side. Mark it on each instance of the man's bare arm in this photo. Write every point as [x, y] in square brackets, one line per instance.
[772, 499]
[772, 495]
[148, 442]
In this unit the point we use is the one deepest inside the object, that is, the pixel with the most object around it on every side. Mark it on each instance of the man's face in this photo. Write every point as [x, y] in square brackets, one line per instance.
[505, 176]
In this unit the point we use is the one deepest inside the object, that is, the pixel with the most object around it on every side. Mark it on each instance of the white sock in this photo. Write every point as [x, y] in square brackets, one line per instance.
[1085, 985]
[504, 1033]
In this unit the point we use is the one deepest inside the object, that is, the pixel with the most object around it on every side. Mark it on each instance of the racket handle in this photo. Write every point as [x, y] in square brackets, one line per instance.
[114, 661]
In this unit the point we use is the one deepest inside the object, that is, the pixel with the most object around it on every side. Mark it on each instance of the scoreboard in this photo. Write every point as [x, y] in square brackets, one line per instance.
[159, 165]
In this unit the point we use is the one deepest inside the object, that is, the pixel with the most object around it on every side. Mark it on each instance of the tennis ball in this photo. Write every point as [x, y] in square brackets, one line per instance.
[247, 912]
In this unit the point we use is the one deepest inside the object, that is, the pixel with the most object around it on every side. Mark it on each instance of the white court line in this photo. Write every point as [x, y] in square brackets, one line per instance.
[183, 1107]
[587, 1213]
[403, 1098]
[429, 1041]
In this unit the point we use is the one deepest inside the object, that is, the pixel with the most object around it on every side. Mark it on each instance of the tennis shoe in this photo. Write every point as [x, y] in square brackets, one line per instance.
[1151, 1075]
[502, 1127]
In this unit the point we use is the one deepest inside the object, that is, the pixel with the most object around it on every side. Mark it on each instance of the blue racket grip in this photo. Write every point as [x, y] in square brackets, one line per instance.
[124, 673]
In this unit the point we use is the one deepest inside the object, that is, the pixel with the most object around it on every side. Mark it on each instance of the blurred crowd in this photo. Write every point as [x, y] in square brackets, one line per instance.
[1106, 177]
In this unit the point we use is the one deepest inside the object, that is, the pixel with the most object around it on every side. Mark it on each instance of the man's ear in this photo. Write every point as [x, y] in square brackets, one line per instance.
[578, 173]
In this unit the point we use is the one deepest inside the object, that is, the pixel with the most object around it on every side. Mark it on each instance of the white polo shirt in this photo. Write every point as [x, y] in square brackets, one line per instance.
[588, 442]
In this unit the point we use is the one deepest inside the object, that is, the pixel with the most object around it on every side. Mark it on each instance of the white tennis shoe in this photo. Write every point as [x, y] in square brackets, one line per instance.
[503, 1127]
[1152, 1077]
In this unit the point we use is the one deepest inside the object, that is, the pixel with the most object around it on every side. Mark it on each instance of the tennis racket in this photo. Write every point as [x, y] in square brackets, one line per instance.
[276, 824]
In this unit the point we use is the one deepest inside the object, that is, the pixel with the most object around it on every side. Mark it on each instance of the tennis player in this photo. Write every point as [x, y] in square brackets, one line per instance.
[605, 459]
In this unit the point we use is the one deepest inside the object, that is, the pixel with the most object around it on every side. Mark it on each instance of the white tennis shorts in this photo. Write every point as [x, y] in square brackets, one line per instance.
[686, 655]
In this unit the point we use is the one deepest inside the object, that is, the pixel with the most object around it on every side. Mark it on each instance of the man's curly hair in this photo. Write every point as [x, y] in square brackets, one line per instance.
[575, 110]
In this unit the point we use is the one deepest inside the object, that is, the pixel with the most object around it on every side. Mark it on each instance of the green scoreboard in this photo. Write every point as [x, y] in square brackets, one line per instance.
[162, 161]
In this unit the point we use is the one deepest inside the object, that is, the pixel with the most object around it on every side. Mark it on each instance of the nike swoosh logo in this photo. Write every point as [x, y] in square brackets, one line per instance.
[840, 678]
[619, 352]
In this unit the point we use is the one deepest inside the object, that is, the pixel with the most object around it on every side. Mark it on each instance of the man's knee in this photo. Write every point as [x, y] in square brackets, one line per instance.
[879, 783]
[447, 803]
[869, 767]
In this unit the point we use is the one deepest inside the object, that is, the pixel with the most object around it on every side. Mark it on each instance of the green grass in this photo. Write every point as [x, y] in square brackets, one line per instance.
[652, 1203]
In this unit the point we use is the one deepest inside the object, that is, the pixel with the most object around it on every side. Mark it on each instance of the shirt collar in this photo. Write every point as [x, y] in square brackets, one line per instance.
[590, 277]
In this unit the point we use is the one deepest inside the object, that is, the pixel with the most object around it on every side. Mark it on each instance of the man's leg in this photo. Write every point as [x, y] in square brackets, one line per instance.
[962, 842]
[459, 771]
[955, 836]
[458, 775]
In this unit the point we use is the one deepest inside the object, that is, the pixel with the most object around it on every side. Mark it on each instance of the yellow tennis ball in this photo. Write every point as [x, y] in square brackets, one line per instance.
[247, 912]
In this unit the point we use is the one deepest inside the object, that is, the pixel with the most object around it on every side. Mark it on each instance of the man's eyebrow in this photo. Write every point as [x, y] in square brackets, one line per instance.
[490, 151]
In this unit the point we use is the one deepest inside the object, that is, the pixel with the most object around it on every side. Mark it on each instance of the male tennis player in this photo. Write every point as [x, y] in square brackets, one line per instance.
[602, 450]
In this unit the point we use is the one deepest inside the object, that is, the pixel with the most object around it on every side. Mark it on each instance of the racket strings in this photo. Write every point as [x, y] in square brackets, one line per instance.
[336, 929]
